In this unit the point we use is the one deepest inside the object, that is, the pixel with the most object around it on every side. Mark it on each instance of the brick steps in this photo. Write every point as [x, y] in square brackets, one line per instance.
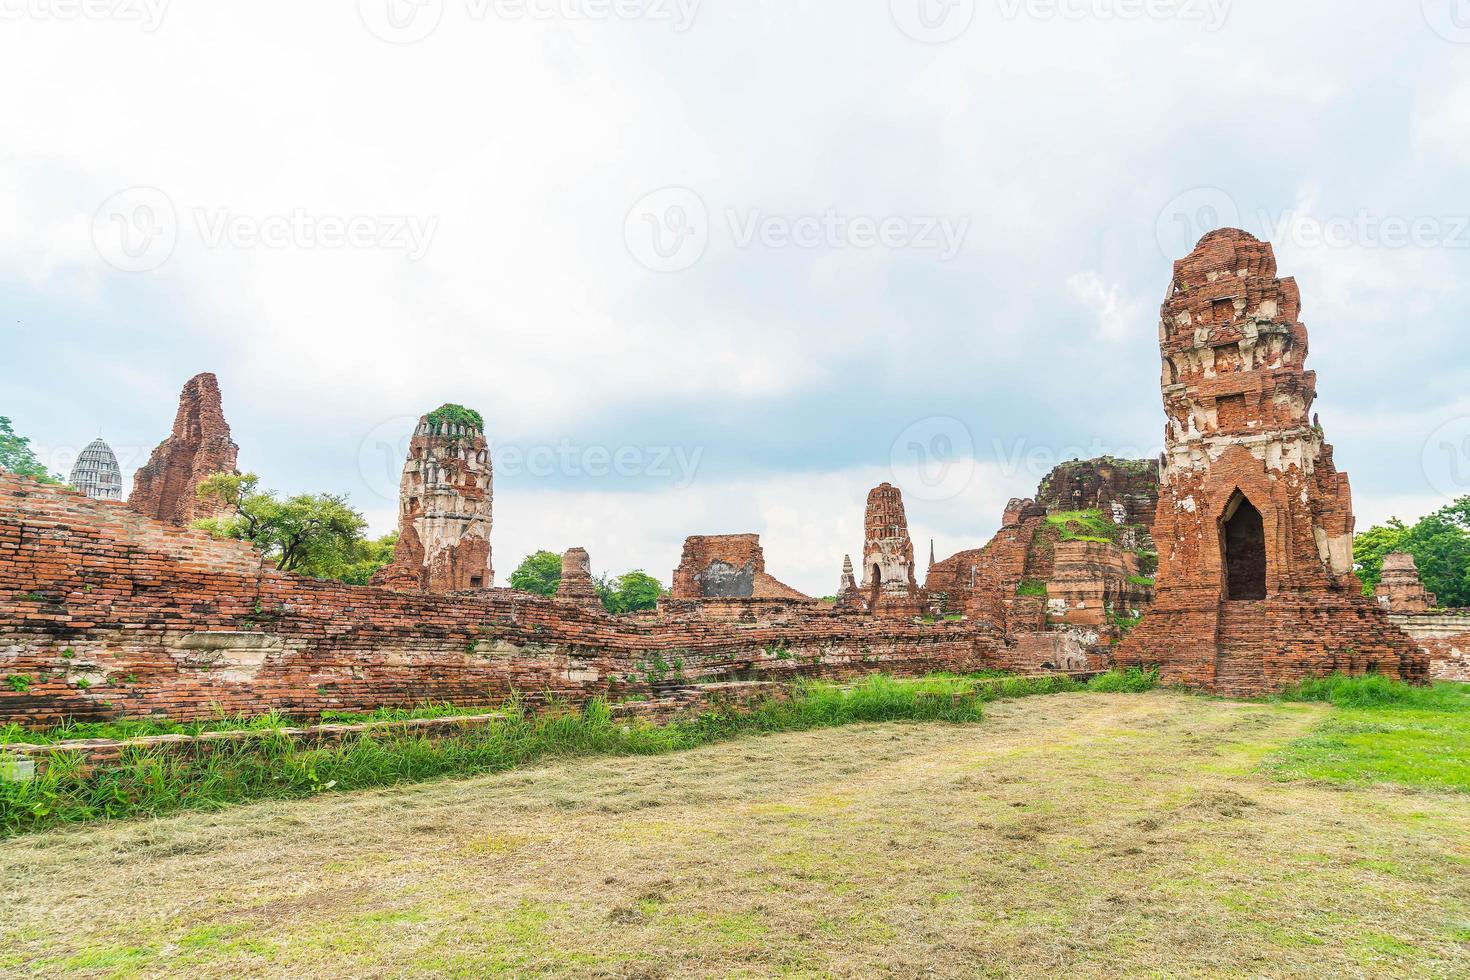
[1241, 644]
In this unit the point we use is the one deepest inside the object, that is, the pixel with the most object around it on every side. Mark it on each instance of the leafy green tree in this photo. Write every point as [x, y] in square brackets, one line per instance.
[635, 591]
[539, 573]
[1371, 547]
[366, 557]
[316, 534]
[16, 455]
[1440, 544]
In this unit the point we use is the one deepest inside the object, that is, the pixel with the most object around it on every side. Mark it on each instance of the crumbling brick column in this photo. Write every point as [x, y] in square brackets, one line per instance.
[1254, 523]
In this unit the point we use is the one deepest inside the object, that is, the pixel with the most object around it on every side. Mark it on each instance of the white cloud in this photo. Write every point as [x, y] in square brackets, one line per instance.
[1118, 316]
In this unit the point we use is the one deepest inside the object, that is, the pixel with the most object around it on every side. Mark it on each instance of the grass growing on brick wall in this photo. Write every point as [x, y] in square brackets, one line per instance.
[272, 765]
[149, 782]
[13, 734]
[1382, 731]
[1083, 525]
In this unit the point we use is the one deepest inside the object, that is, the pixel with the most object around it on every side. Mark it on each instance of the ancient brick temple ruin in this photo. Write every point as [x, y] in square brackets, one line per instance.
[109, 614]
[726, 566]
[444, 507]
[1443, 634]
[110, 610]
[1254, 523]
[1067, 571]
[198, 447]
[1400, 589]
[889, 586]
[576, 585]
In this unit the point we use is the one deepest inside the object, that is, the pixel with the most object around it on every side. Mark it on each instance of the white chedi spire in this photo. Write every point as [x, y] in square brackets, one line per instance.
[96, 472]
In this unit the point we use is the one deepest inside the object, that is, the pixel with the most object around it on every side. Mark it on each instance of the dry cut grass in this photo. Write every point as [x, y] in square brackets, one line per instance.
[1085, 834]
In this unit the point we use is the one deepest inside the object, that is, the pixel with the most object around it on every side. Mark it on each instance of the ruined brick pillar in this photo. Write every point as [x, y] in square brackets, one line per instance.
[889, 585]
[1401, 590]
[576, 585]
[444, 507]
[198, 447]
[1254, 523]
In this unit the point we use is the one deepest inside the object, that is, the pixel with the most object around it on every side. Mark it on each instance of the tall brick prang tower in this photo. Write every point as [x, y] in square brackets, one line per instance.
[198, 447]
[1254, 524]
[889, 584]
[444, 507]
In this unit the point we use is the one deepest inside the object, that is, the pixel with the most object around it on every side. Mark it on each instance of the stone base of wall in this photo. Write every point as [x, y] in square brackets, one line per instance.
[1444, 636]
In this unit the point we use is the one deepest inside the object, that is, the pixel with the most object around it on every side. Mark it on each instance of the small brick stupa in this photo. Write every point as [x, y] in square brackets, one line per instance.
[576, 585]
[1401, 590]
[1254, 524]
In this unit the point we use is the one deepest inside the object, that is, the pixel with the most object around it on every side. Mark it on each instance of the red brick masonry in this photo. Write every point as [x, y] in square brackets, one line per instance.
[105, 613]
[1254, 525]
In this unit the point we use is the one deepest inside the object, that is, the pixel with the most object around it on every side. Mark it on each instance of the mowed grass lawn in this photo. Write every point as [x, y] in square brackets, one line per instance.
[1078, 834]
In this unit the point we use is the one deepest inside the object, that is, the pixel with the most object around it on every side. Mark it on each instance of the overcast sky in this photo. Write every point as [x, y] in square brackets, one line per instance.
[721, 266]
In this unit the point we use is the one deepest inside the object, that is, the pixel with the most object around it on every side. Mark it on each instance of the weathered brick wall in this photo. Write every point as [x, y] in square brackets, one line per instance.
[104, 614]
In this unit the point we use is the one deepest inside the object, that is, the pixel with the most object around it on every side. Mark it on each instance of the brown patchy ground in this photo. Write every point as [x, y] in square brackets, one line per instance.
[1079, 834]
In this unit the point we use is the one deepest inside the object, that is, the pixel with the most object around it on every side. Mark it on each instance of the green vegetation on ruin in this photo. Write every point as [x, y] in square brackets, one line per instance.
[1032, 587]
[451, 414]
[1083, 525]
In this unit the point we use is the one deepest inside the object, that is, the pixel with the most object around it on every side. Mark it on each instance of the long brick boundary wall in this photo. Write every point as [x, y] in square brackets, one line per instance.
[107, 614]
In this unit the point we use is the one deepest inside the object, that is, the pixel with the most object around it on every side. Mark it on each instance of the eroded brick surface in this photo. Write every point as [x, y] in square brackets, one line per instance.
[198, 447]
[1401, 589]
[444, 513]
[1245, 458]
[727, 566]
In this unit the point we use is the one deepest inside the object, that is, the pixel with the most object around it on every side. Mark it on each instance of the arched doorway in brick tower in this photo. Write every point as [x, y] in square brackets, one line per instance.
[1243, 550]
